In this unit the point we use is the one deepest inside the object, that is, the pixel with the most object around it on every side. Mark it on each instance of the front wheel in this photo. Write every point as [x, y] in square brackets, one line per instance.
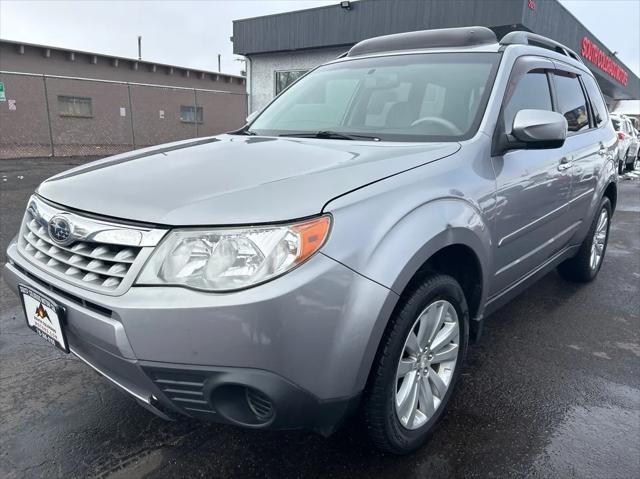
[585, 265]
[417, 365]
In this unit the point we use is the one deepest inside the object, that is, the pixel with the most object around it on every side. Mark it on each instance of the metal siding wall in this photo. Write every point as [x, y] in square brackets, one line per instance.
[552, 20]
[34, 61]
[104, 133]
[25, 130]
[333, 25]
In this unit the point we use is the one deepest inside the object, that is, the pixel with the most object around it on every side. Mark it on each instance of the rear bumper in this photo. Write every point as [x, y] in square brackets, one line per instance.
[304, 345]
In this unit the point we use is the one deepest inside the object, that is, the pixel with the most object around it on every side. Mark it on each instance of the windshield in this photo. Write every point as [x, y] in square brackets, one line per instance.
[414, 97]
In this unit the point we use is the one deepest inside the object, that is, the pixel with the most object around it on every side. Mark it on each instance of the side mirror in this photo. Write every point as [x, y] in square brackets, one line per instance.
[539, 129]
[252, 116]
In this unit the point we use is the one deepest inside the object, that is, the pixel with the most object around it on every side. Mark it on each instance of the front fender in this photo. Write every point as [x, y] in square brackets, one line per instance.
[394, 244]
[391, 246]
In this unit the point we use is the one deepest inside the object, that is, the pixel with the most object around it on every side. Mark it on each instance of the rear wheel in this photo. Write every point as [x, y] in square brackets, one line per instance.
[585, 265]
[621, 166]
[417, 365]
[629, 165]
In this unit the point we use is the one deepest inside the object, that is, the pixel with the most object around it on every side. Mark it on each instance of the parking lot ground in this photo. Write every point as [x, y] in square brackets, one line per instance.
[551, 390]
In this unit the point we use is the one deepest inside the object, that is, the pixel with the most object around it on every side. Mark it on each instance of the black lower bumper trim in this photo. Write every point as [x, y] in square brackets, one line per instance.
[220, 395]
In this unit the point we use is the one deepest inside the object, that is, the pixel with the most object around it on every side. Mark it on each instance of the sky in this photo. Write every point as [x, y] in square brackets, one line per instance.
[193, 33]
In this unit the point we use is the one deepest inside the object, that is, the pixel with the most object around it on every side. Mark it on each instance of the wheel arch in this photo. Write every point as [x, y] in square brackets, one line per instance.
[461, 249]
[611, 192]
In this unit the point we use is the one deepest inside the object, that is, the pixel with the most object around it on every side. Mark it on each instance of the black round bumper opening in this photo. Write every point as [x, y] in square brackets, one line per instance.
[243, 405]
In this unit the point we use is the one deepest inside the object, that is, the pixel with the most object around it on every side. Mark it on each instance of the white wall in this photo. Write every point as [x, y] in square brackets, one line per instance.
[263, 67]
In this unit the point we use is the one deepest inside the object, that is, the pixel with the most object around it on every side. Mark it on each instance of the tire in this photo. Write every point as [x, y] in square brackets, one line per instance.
[437, 292]
[621, 167]
[631, 166]
[628, 166]
[581, 268]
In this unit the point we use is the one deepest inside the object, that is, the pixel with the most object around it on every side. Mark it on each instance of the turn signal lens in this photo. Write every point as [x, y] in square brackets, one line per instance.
[312, 236]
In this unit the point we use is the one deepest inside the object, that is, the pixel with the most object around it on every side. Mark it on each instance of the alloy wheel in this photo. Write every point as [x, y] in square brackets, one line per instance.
[427, 364]
[599, 240]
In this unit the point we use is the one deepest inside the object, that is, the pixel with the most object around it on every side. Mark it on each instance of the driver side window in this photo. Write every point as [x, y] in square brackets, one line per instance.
[531, 92]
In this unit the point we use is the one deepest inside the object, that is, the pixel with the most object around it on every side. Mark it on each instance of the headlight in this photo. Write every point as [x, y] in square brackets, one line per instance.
[232, 258]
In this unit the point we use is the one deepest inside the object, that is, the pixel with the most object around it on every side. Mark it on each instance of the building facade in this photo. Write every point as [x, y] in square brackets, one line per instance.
[60, 102]
[281, 47]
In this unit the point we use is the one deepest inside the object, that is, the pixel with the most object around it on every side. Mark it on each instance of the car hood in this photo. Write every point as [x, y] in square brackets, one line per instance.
[232, 179]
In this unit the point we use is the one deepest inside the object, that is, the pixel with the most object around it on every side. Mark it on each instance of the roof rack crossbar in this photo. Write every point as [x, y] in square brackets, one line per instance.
[528, 38]
[440, 38]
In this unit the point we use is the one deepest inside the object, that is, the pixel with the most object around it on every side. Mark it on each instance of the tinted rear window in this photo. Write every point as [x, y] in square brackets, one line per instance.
[571, 101]
[599, 106]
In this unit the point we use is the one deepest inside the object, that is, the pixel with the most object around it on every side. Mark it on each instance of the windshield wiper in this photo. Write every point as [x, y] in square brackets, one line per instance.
[331, 135]
[247, 132]
[243, 131]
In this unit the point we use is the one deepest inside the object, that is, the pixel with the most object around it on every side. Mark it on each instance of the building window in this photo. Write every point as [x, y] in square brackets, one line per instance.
[286, 78]
[75, 106]
[191, 114]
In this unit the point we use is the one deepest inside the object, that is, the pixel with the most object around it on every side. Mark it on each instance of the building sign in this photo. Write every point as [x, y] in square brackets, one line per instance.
[2, 95]
[604, 62]
[531, 4]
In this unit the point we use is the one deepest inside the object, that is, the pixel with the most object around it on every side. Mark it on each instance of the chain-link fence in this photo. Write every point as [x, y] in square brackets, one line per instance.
[46, 115]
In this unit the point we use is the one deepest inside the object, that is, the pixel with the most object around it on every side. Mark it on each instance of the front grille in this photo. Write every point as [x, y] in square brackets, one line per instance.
[97, 264]
[102, 256]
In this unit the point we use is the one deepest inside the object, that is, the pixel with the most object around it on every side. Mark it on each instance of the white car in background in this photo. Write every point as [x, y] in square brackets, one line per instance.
[628, 142]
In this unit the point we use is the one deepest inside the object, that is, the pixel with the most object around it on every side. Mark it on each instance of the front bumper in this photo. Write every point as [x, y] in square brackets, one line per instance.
[301, 344]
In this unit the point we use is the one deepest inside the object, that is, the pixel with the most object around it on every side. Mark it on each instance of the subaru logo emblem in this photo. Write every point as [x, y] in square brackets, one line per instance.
[60, 230]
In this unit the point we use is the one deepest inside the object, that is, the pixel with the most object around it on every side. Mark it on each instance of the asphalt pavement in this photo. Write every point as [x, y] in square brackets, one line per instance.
[551, 390]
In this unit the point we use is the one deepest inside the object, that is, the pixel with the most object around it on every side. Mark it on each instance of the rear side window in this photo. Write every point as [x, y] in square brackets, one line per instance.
[599, 106]
[571, 101]
[531, 92]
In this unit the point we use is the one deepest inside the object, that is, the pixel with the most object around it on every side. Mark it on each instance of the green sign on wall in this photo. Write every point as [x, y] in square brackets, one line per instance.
[2, 96]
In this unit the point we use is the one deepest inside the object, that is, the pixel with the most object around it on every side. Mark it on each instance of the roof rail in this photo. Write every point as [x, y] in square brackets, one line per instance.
[441, 38]
[528, 38]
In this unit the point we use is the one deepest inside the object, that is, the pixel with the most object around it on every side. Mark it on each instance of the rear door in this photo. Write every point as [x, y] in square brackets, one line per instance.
[533, 186]
[589, 145]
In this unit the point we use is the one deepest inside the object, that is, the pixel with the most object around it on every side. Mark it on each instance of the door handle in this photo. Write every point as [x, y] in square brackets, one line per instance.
[565, 164]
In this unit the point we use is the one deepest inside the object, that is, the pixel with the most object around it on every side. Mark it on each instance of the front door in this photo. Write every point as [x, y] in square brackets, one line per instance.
[533, 186]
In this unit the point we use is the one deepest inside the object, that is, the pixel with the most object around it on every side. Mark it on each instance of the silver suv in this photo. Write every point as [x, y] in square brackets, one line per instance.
[338, 251]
